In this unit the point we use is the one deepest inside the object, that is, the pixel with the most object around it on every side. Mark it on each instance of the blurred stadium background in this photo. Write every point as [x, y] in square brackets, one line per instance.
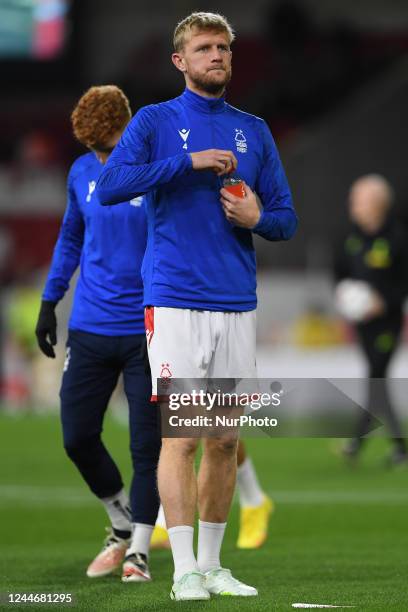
[331, 79]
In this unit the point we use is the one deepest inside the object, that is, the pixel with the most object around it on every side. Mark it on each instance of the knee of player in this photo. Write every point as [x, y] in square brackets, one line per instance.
[225, 444]
[73, 448]
[185, 447]
[76, 445]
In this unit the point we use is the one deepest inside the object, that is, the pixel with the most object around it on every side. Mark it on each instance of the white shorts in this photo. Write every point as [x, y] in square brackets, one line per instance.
[197, 344]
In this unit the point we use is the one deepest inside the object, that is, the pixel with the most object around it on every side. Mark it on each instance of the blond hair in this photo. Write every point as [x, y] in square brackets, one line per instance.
[201, 21]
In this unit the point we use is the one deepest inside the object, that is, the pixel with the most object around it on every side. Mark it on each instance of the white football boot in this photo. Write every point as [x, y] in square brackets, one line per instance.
[220, 582]
[189, 587]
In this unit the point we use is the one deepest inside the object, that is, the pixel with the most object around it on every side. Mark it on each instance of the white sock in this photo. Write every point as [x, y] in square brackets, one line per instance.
[161, 519]
[118, 509]
[210, 536]
[140, 541]
[181, 540]
[249, 489]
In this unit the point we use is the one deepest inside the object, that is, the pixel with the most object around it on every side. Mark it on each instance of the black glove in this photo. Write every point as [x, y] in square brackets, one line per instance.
[47, 326]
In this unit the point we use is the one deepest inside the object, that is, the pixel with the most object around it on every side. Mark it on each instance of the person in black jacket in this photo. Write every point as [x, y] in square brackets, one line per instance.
[376, 251]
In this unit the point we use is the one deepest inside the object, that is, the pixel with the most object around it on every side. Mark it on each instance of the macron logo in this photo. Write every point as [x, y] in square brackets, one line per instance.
[91, 189]
[184, 135]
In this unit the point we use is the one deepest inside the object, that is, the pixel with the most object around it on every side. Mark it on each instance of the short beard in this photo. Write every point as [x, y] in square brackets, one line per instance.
[211, 87]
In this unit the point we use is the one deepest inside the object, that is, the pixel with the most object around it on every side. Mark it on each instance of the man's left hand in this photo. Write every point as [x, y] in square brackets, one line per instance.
[242, 212]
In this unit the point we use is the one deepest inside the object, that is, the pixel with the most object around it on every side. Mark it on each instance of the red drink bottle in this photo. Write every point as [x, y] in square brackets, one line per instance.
[234, 185]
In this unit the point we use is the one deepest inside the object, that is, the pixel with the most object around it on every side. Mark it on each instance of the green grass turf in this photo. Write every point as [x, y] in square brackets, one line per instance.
[338, 536]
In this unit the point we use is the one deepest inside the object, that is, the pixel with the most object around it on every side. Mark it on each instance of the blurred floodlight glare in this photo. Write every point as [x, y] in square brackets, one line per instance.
[32, 29]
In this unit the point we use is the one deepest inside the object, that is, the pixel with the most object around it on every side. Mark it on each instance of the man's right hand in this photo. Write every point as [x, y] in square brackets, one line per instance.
[221, 162]
[378, 307]
[46, 328]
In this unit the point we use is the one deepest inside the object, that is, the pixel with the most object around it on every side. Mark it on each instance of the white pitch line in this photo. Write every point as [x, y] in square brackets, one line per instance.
[339, 497]
[73, 496]
[307, 605]
[44, 495]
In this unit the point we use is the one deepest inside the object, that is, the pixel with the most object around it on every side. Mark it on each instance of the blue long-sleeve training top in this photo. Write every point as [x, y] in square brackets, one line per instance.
[108, 243]
[195, 258]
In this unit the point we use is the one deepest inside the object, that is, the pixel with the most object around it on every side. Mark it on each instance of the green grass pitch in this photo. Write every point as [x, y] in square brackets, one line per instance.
[338, 536]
